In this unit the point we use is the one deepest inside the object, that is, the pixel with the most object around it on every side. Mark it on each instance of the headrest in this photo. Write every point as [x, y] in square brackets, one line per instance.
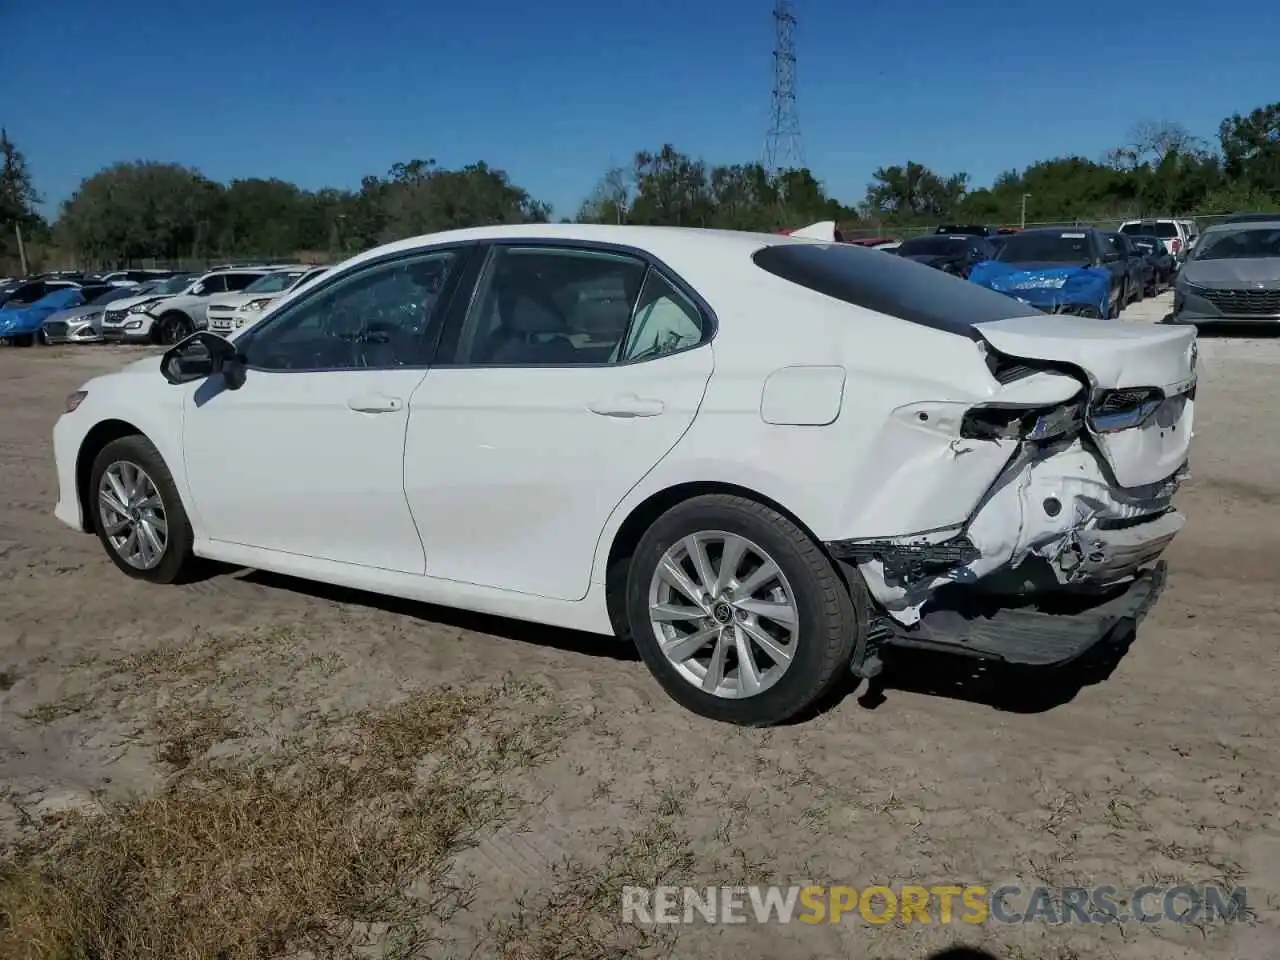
[529, 316]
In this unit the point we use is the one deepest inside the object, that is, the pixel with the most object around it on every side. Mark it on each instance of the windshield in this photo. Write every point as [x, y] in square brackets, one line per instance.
[934, 246]
[1240, 244]
[114, 293]
[1066, 247]
[1164, 229]
[173, 285]
[274, 282]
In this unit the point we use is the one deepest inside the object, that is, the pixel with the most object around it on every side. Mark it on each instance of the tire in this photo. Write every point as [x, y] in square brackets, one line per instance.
[175, 559]
[827, 622]
[1113, 312]
[171, 327]
[23, 340]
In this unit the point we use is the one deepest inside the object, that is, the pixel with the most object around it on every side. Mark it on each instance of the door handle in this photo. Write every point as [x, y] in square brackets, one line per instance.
[375, 403]
[627, 406]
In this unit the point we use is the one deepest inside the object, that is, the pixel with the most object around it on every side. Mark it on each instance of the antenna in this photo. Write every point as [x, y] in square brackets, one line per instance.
[782, 149]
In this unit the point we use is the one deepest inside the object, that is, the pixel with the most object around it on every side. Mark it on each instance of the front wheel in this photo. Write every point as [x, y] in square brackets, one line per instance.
[137, 512]
[738, 613]
[171, 328]
[1113, 310]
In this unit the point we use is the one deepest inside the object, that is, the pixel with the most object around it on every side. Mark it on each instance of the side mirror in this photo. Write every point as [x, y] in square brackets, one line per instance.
[201, 355]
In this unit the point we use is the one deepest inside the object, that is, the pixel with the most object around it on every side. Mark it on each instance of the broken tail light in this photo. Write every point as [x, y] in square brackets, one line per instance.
[998, 422]
[1119, 410]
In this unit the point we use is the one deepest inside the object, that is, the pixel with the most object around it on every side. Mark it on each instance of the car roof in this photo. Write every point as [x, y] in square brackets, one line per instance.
[681, 243]
[1239, 226]
[1251, 217]
[1032, 231]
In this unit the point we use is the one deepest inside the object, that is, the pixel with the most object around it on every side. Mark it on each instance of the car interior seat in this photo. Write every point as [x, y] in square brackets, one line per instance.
[530, 330]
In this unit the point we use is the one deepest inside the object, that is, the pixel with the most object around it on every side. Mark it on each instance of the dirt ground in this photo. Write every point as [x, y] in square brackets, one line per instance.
[556, 770]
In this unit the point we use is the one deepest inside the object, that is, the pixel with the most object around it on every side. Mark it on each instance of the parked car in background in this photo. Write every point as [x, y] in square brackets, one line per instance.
[1000, 482]
[1161, 266]
[134, 277]
[239, 311]
[1192, 230]
[968, 229]
[1075, 271]
[1172, 232]
[118, 316]
[1234, 275]
[954, 253]
[21, 326]
[1136, 267]
[167, 319]
[26, 292]
[83, 323]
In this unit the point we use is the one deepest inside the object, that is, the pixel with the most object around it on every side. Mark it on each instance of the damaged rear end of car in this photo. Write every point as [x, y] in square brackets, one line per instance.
[1090, 428]
[1011, 472]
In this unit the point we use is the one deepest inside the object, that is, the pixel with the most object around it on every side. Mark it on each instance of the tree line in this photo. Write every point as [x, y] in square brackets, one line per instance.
[153, 211]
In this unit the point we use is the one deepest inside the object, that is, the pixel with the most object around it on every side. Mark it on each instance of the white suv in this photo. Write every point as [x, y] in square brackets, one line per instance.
[169, 318]
[1174, 233]
[238, 311]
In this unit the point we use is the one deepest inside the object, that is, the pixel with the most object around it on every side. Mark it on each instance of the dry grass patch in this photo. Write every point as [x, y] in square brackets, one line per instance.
[342, 843]
[580, 918]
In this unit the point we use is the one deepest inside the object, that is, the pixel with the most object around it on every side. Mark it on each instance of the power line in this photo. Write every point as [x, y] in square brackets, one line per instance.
[782, 147]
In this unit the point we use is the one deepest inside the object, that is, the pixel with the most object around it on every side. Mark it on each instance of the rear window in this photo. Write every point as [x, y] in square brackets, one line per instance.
[1163, 229]
[891, 285]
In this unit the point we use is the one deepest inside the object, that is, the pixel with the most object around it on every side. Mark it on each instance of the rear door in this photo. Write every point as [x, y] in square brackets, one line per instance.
[570, 375]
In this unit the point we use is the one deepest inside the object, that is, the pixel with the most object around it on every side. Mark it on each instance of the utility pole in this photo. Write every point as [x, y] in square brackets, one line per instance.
[22, 250]
[1023, 223]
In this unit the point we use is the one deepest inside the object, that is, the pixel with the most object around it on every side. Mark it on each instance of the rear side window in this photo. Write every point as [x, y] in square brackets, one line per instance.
[891, 285]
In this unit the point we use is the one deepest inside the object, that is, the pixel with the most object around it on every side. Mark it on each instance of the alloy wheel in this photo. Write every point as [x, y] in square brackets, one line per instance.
[724, 614]
[133, 515]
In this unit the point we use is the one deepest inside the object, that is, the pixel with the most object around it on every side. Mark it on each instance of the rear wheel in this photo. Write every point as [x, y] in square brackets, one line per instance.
[137, 513]
[738, 613]
[23, 339]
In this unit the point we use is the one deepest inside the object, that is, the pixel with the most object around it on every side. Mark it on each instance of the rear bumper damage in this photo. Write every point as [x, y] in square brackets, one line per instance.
[1055, 555]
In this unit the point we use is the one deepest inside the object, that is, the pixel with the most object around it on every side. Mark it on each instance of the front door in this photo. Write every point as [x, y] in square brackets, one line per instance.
[307, 456]
[574, 373]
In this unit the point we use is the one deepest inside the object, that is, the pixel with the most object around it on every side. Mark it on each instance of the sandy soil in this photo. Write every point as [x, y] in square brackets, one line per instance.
[1160, 770]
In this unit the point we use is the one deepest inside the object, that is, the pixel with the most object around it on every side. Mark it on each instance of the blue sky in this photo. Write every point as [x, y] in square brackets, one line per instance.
[322, 93]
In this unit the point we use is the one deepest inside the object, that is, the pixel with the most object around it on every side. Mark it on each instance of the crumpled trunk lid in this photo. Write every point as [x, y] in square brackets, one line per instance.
[1117, 356]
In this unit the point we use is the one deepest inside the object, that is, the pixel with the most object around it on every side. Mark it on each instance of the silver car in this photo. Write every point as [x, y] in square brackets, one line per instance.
[1232, 277]
[83, 324]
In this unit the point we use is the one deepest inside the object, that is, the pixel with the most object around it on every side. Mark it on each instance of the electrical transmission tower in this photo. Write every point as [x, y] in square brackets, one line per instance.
[782, 149]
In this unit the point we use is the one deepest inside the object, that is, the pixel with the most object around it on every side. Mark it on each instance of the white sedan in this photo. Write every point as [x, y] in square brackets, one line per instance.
[763, 460]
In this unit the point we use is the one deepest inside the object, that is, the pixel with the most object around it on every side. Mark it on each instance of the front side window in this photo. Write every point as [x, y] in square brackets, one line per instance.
[239, 281]
[210, 285]
[378, 317]
[550, 306]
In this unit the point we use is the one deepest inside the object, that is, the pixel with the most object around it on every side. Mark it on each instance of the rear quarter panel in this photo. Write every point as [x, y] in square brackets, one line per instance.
[871, 471]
